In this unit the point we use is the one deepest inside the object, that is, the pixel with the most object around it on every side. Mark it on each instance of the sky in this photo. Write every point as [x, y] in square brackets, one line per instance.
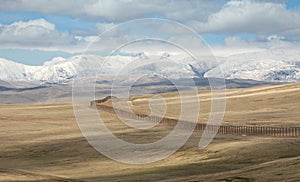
[32, 32]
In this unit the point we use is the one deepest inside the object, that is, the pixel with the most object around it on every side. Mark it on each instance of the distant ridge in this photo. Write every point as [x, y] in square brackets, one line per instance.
[275, 65]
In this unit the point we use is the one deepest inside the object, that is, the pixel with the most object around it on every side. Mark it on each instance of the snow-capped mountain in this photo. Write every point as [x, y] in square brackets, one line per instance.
[11, 71]
[60, 69]
[269, 65]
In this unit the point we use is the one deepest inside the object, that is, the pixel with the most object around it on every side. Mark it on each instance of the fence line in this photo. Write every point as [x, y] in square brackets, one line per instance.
[223, 129]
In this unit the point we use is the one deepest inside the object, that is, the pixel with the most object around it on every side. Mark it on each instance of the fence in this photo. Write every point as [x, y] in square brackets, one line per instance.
[223, 129]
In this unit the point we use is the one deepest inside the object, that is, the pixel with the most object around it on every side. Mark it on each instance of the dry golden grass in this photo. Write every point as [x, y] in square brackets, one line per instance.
[42, 142]
[272, 105]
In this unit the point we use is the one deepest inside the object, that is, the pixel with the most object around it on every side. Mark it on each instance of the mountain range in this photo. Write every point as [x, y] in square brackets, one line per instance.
[267, 65]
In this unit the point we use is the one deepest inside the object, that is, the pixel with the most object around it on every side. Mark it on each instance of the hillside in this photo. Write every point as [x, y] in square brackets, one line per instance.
[42, 142]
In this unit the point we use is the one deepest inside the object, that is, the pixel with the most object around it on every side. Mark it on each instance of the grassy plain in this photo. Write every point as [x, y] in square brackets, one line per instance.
[42, 142]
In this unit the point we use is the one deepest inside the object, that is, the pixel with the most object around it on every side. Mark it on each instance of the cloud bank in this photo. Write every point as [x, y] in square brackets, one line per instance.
[271, 23]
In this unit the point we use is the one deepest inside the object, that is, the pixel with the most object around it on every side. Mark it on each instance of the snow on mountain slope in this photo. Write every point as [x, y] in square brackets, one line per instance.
[269, 65]
[61, 69]
[175, 68]
[11, 71]
[265, 70]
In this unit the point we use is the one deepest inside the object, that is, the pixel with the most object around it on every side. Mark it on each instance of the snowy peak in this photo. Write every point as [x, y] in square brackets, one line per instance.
[54, 61]
[165, 55]
[12, 71]
[140, 55]
[270, 65]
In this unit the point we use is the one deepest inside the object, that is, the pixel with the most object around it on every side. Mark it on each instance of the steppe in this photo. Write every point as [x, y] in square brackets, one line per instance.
[42, 142]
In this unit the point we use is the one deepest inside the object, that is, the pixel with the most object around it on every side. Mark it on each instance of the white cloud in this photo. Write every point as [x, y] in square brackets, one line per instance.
[235, 41]
[214, 16]
[261, 42]
[90, 38]
[36, 23]
[275, 37]
[33, 33]
[119, 10]
[252, 17]
[39, 34]
[104, 26]
[271, 21]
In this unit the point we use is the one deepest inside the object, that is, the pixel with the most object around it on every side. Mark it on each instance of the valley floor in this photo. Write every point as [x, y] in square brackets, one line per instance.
[42, 142]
